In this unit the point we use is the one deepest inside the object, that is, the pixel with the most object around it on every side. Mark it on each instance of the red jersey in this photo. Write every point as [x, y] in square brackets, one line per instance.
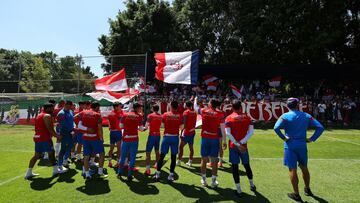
[57, 110]
[211, 120]
[172, 122]
[189, 117]
[114, 118]
[41, 132]
[131, 122]
[239, 125]
[90, 119]
[163, 107]
[181, 108]
[154, 121]
[76, 117]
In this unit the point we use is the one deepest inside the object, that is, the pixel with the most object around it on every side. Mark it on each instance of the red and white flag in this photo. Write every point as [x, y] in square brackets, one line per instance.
[114, 82]
[237, 92]
[114, 96]
[209, 78]
[275, 82]
[177, 67]
[212, 86]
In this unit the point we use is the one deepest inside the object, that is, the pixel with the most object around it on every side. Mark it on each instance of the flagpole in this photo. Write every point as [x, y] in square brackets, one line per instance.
[145, 81]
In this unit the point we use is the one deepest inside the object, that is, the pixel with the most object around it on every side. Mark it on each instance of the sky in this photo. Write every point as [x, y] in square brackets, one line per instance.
[66, 27]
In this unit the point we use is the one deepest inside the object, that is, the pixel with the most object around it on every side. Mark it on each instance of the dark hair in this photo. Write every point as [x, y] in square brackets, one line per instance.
[95, 104]
[87, 102]
[68, 102]
[81, 102]
[174, 105]
[46, 106]
[136, 105]
[236, 104]
[51, 101]
[155, 108]
[214, 103]
[189, 104]
[292, 103]
[116, 104]
[61, 101]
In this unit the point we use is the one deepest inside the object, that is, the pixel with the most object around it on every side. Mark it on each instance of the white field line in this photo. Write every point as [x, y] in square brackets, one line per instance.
[16, 177]
[344, 141]
[16, 150]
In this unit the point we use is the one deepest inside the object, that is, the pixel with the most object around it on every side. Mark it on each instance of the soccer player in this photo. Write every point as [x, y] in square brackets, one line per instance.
[173, 124]
[91, 125]
[115, 131]
[212, 120]
[44, 130]
[221, 136]
[295, 123]
[66, 127]
[154, 122]
[131, 122]
[78, 134]
[239, 129]
[56, 111]
[188, 134]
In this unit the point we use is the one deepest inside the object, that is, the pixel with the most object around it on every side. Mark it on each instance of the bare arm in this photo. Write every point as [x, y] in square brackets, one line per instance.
[47, 120]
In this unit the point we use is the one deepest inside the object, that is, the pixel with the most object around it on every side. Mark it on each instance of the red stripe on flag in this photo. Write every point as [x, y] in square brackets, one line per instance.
[161, 62]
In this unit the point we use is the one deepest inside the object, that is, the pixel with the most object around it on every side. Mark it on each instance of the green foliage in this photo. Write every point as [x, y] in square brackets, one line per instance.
[240, 31]
[35, 77]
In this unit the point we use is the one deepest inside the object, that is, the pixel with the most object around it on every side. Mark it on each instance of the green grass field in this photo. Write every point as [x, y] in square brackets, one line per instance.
[334, 165]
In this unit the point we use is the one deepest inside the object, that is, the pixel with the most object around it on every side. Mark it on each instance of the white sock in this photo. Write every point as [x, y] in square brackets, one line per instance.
[126, 162]
[83, 169]
[55, 169]
[100, 171]
[203, 176]
[78, 156]
[171, 174]
[190, 161]
[92, 160]
[65, 162]
[72, 154]
[109, 159]
[147, 167]
[87, 173]
[251, 182]
[238, 188]
[29, 171]
[213, 178]
[57, 147]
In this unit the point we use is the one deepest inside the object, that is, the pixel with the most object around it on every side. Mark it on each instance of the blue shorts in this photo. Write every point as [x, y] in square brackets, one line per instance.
[170, 142]
[188, 139]
[115, 136]
[294, 156]
[46, 146]
[93, 147]
[78, 138]
[235, 156]
[153, 142]
[210, 147]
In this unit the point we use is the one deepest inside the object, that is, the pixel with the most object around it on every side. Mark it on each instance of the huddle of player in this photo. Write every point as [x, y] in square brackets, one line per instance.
[83, 127]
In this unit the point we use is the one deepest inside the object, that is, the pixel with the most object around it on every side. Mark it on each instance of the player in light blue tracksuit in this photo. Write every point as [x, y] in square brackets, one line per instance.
[295, 123]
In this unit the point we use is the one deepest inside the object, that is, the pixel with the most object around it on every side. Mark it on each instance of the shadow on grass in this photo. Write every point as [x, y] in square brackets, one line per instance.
[68, 176]
[40, 183]
[319, 199]
[140, 184]
[196, 170]
[95, 187]
[224, 194]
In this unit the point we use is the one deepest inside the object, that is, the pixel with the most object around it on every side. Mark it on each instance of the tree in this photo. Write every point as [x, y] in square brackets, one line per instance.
[35, 77]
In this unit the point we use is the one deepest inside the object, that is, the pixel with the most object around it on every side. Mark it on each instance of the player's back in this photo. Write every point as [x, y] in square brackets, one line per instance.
[90, 119]
[211, 120]
[131, 122]
[154, 120]
[114, 120]
[296, 124]
[172, 122]
[239, 124]
[190, 119]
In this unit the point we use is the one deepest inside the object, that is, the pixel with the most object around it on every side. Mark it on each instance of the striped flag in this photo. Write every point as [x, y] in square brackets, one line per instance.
[113, 82]
[209, 78]
[177, 67]
[237, 92]
[275, 82]
[114, 96]
[212, 86]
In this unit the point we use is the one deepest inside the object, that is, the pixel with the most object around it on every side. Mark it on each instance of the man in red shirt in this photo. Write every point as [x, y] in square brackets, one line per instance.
[188, 134]
[114, 118]
[173, 124]
[44, 130]
[131, 123]
[212, 120]
[91, 125]
[154, 122]
[57, 109]
[239, 129]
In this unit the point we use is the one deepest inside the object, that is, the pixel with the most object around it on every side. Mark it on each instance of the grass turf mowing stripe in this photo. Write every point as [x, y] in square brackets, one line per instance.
[341, 140]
